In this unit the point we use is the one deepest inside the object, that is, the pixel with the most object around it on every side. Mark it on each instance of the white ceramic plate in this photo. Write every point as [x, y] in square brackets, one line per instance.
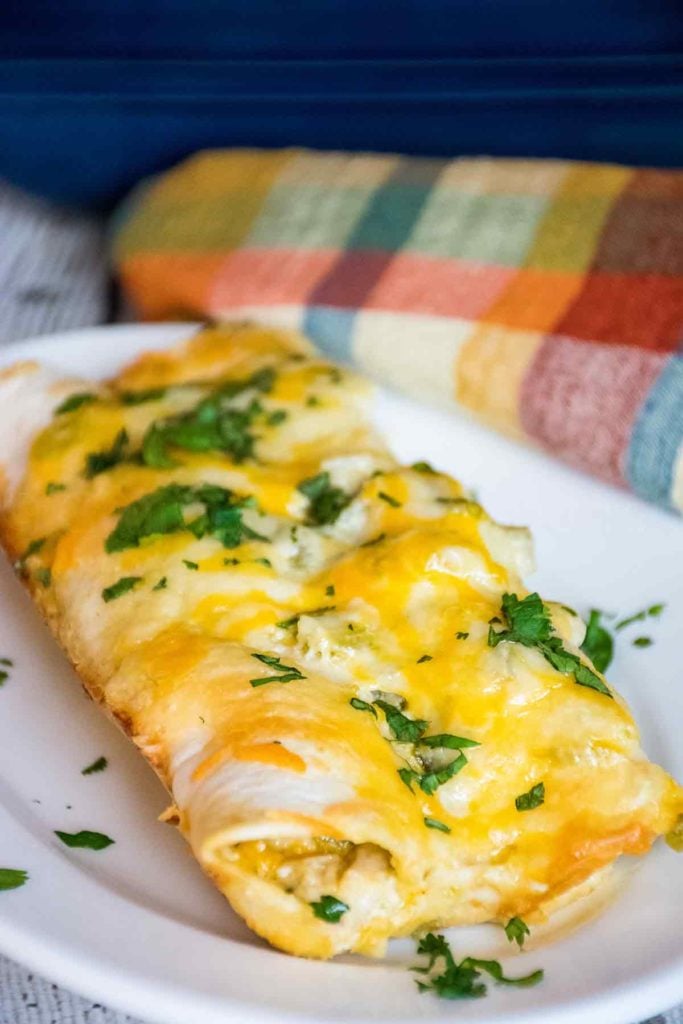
[139, 927]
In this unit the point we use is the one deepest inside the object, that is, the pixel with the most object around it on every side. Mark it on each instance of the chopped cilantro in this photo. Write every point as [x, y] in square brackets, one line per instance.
[97, 766]
[12, 878]
[75, 401]
[263, 561]
[528, 623]
[44, 576]
[517, 930]
[189, 564]
[161, 511]
[33, 548]
[213, 425]
[389, 499]
[362, 705]
[329, 590]
[598, 643]
[325, 502]
[7, 661]
[231, 561]
[449, 742]
[4, 676]
[85, 840]
[294, 619]
[54, 488]
[425, 657]
[276, 417]
[329, 908]
[461, 980]
[654, 611]
[440, 826]
[461, 636]
[375, 540]
[100, 462]
[283, 673]
[404, 729]
[532, 799]
[424, 467]
[161, 585]
[336, 376]
[643, 641]
[431, 780]
[408, 776]
[312, 401]
[122, 586]
[142, 396]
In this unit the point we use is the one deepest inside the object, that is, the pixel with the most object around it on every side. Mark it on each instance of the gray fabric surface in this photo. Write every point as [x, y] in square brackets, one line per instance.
[53, 277]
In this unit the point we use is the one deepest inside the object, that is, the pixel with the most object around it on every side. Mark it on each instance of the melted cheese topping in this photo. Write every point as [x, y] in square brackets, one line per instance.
[352, 578]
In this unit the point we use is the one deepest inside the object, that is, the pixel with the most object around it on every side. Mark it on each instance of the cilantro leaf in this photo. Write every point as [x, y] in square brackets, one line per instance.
[424, 467]
[643, 641]
[528, 623]
[404, 729]
[54, 488]
[389, 499]
[494, 969]
[100, 462]
[161, 584]
[190, 565]
[97, 766]
[329, 908]
[329, 590]
[283, 673]
[33, 548]
[212, 425]
[424, 658]
[461, 636]
[430, 782]
[435, 823]
[434, 946]
[461, 980]
[142, 396]
[654, 611]
[517, 930]
[408, 776]
[161, 512]
[75, 402]
[44, 576]
[447, 740]
[7, 661]
[598, 643]
[293, 620]
[12, 878]
[375, 540]
[362, 705]
[532, 799]
[85, 840]
[326, 502]
[122, 586]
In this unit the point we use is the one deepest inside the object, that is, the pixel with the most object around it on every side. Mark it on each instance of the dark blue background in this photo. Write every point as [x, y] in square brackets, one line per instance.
[95, 94]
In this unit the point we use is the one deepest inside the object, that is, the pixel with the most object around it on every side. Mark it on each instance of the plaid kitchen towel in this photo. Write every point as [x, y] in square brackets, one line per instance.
[543, 296]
